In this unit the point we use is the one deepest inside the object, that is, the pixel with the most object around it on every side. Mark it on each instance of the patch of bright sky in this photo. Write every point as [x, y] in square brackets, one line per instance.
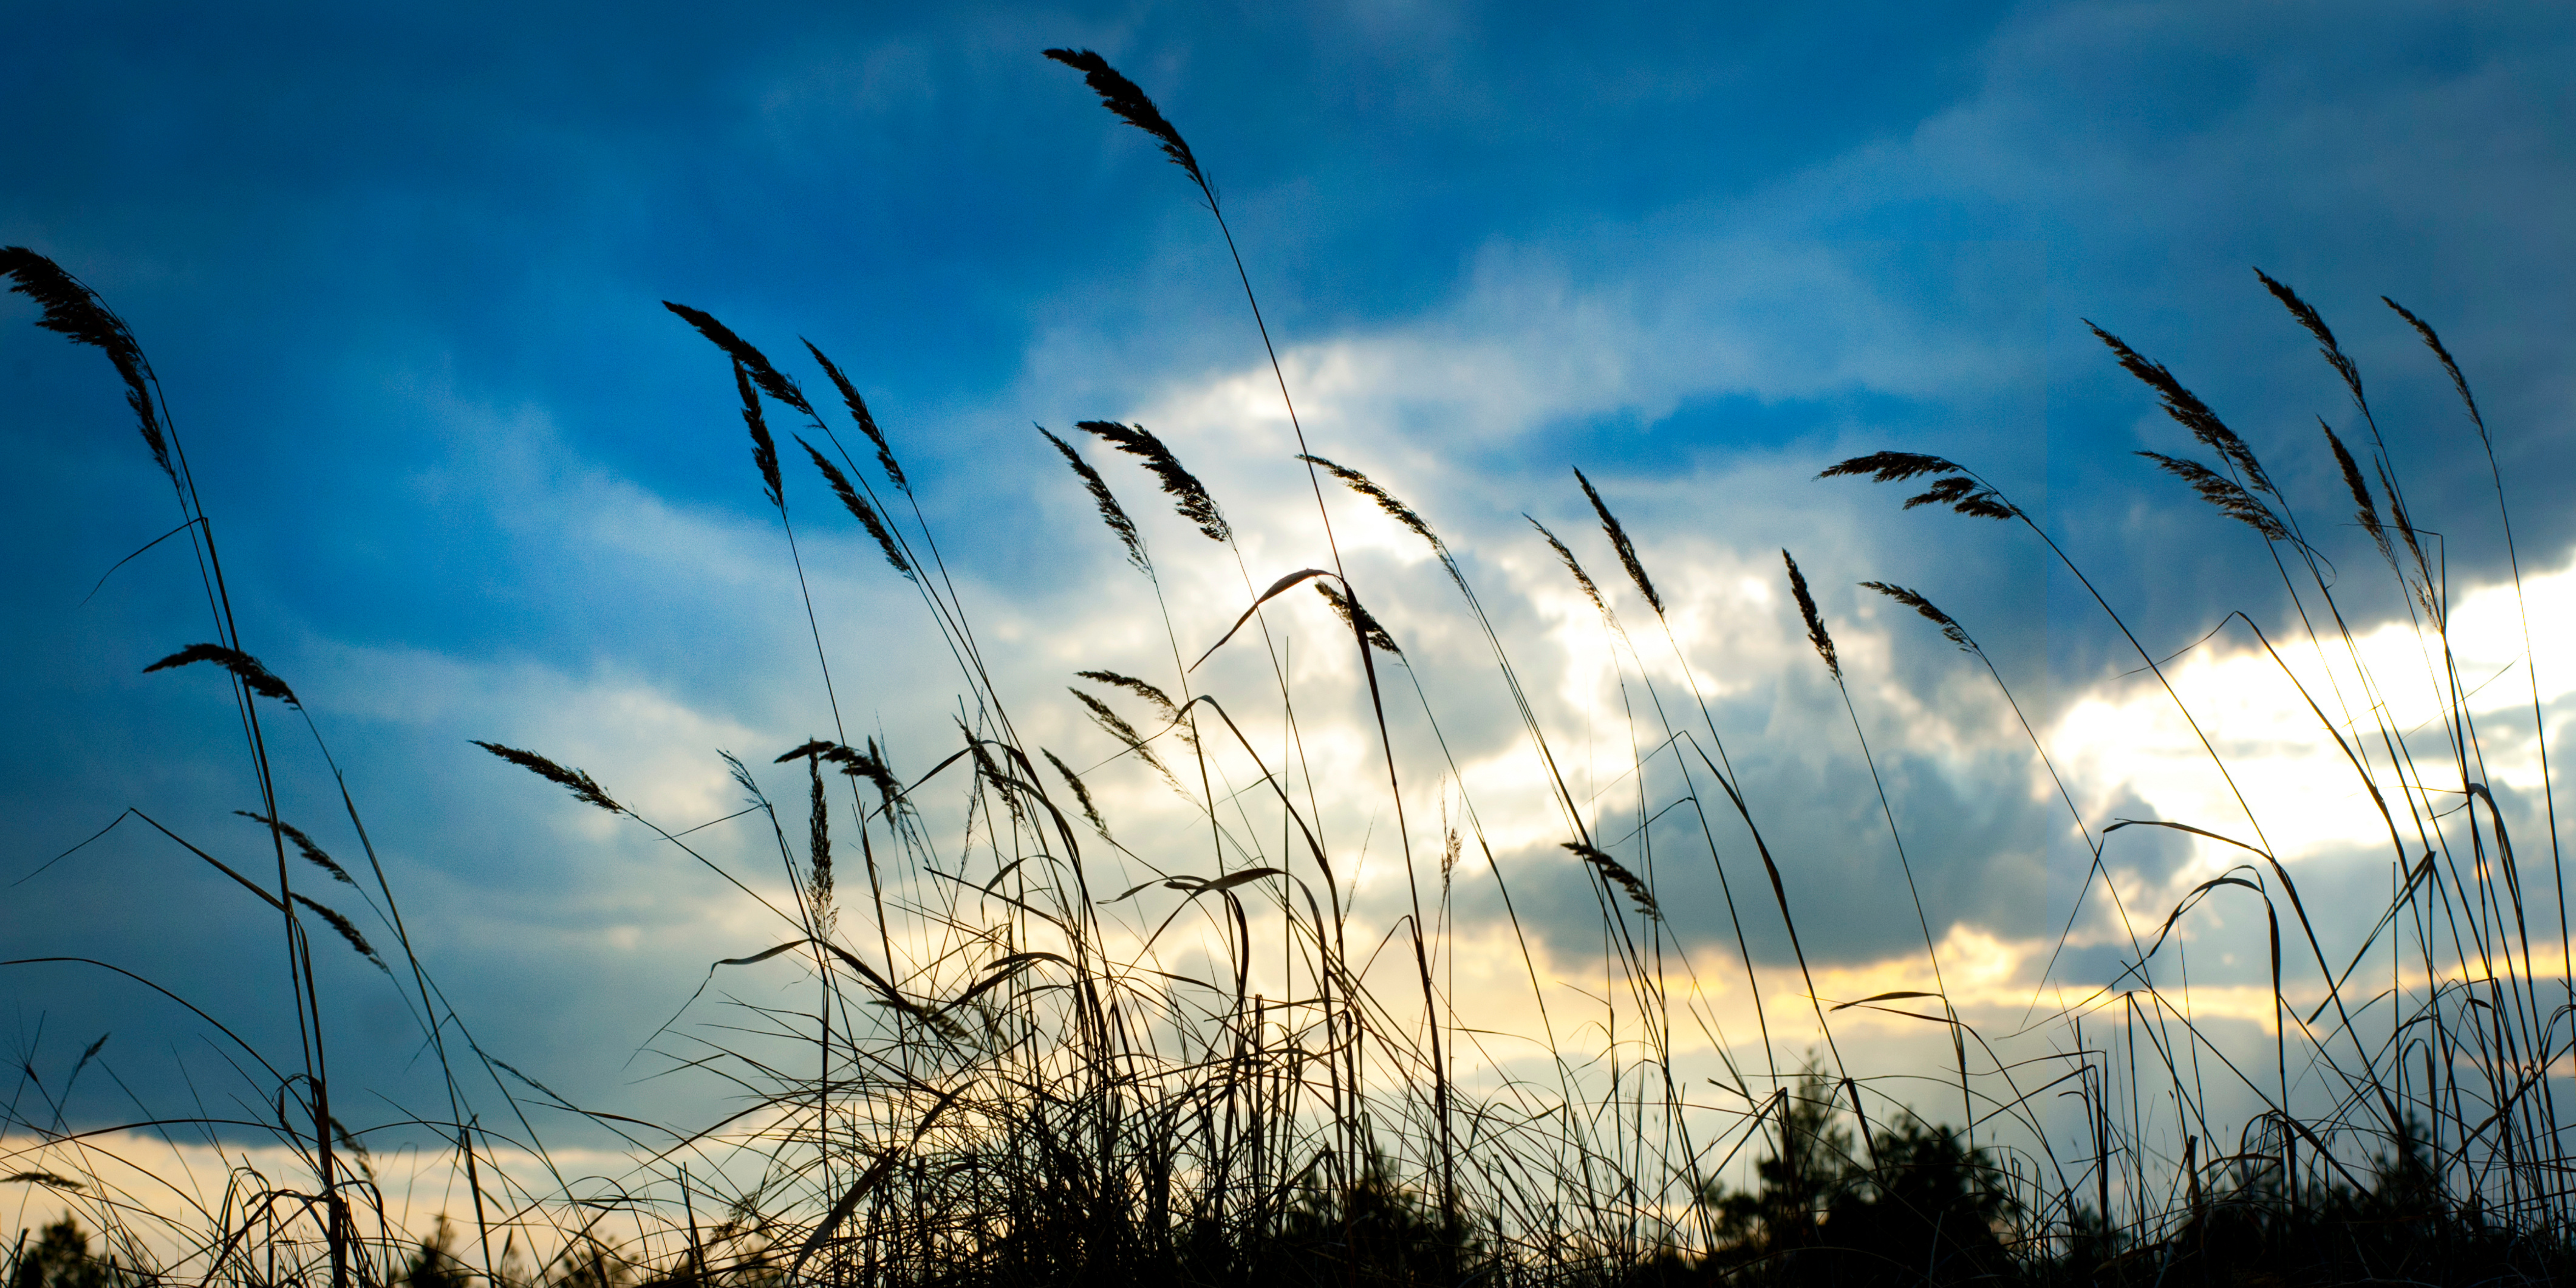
[2392, 680]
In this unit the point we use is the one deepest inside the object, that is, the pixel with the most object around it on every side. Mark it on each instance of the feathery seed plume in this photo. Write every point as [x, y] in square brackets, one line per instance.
[1116, 726]
[2363, 508]
[2223, 492]
[304, 844]
[1356, 616]
[1120, 95]
[1111, 513]
[347, 931]
[1141, 688]
[742, 778]
[1169, 710]
[1189, 496]
[2190, 412]
[871, 765]
[1950, 630]
[1815, 621]
[1619, 541]
[868, 764]
[2316, 326]
[74, 310]
[1612, 871]
[2407, 531]
[991, 772]
[243, 666]
[867, 424]
[860, 509]
[1401, 513]
[2434, 342]
[573, 780]
[1080, 793]
[814, 751]
[1572, 565]
[766, 375]
[1963, 492]
[1890, 467]
[764, 449]
[1367, 487]
[818, 849]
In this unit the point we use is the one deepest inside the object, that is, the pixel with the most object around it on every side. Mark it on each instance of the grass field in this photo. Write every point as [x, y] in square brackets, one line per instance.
[1110, 1013]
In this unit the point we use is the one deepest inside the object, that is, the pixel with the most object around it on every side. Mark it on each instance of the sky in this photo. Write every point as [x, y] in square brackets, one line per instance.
[401, 271]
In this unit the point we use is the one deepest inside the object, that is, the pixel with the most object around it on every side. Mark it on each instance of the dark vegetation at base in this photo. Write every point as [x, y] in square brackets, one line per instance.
[1928, 1212]
[59, 1257]
[1025, 1107]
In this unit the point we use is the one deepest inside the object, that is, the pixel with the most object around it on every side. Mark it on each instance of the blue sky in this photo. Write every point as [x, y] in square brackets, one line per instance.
[400, 270]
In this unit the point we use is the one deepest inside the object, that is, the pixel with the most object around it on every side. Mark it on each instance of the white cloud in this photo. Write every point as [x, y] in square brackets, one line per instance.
[2129, 738]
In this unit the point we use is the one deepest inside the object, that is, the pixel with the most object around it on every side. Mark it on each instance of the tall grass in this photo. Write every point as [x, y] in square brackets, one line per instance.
[1016, 1063]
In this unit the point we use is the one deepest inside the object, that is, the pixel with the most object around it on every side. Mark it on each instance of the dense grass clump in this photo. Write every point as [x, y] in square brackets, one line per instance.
[1017, 1063]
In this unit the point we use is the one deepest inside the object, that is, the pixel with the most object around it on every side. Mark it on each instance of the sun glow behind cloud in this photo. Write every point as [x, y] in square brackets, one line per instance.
[2397, 680]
